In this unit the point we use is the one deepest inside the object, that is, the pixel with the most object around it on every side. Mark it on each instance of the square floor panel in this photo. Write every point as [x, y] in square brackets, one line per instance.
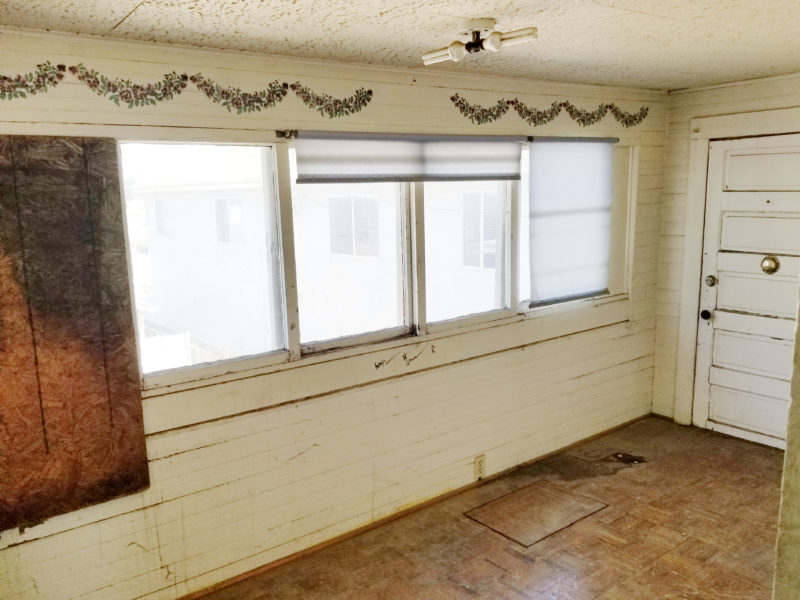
[533, 512]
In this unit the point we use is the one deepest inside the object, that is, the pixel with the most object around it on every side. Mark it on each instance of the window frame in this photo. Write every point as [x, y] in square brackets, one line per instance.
[370, 337]
[547, 321]
[165, 378]
[510, 258]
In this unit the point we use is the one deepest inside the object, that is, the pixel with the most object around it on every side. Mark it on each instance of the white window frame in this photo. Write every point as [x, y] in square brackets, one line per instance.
[197, 373]
[510, 257]
[615, 307]
[371, 337]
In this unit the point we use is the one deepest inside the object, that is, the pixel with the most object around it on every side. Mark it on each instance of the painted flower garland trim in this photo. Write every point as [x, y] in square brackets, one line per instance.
[235, 98]
[535, 117]
[325, 104]
[133, 94]
[124, 91]
[480, 114]
[21, 86]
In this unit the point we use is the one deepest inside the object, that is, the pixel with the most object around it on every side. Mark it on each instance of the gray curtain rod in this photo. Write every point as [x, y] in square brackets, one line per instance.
[545, 138]
[394, 137]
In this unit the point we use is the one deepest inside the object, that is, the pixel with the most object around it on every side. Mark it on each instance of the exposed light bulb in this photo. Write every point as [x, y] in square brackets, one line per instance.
[436, 56]
[493, 41]
[519, 36]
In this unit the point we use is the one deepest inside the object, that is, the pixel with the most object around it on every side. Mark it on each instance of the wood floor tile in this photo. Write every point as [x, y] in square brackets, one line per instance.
[697, 521]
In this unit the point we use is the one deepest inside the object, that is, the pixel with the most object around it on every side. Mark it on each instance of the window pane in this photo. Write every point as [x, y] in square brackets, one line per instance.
[349, 252]
[465, 260]
[204, 250]
[569, 218]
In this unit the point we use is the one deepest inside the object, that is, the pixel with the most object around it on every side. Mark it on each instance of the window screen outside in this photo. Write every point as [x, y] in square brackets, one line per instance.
[204, 252]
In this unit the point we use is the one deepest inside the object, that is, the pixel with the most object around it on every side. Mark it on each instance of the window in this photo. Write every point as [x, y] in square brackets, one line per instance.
[197, 300]
[465, 248]
[382, 234]
[350, 253]
[357, 280]
[568, 222]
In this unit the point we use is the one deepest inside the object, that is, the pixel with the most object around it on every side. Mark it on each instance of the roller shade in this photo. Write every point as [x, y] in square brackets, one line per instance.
[571, 195]
[325, 157]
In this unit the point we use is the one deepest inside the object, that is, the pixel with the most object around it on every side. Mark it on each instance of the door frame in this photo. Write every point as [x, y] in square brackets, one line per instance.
[702, 131]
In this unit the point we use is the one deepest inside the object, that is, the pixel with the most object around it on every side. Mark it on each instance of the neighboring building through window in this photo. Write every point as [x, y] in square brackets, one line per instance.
[198, 300]
[350, 255]
[465, 248]
[354, 225]
[480, 219]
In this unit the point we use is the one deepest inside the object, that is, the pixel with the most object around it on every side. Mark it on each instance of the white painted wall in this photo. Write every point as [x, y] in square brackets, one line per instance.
[325, 449]
[752, 96]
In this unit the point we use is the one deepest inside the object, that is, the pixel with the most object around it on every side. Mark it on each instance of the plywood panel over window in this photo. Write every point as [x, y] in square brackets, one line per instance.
[70, 408]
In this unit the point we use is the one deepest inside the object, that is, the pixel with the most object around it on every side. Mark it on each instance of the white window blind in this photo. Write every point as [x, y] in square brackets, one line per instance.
[328, 157]
[570, 218]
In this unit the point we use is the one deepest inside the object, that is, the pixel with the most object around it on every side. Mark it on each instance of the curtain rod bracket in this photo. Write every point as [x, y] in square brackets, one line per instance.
[286, 134]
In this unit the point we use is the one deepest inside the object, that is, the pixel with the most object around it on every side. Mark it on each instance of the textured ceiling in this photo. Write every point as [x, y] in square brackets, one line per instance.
[641, 43]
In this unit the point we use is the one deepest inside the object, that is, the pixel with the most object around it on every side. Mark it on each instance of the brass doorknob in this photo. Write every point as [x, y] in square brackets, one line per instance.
[770, 264]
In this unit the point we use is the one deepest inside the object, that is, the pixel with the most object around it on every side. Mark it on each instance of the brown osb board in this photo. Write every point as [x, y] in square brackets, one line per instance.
[533, 512]
[71, 430]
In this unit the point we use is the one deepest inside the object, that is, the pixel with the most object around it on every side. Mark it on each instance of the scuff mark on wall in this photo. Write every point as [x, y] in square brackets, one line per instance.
[299, 454]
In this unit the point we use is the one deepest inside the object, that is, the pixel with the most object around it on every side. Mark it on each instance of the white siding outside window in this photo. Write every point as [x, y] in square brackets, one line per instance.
[198, 300]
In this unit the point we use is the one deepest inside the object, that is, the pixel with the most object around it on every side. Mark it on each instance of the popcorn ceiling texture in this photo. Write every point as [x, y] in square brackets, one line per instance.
[639, 43]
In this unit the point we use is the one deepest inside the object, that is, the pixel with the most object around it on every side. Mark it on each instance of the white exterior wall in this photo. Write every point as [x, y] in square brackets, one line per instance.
[324, 449]
[741, 97]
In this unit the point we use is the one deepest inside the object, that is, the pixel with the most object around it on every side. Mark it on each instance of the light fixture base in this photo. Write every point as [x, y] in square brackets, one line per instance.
[484, 25]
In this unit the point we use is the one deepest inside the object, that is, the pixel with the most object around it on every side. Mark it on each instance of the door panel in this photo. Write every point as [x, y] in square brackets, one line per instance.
[753, 354]
[762, 168]
[777, 234]
[758, 294]
[756, 384]
[775, 328]
[749, 411]
[745, 338]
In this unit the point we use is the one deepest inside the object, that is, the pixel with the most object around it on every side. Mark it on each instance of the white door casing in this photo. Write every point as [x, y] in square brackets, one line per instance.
[746, 331]
[702, 130]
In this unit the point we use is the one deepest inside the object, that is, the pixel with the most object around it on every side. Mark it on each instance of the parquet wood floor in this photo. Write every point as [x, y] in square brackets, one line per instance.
[696, 521]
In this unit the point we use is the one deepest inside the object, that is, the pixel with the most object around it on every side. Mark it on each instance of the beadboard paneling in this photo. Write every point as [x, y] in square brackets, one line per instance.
[240, 491]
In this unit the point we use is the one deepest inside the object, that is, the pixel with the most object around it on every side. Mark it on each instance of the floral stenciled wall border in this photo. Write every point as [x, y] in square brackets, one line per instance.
[125, 92]
[535, 117]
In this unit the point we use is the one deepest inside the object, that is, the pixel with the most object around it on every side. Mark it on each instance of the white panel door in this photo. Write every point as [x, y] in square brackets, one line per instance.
[749, 288]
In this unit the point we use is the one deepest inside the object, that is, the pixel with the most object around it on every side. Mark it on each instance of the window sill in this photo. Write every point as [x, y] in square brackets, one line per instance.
[173, 400]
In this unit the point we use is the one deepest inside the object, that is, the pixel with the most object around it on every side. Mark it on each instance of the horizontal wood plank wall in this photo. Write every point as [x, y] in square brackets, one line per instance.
[683, 107]
[239, 492]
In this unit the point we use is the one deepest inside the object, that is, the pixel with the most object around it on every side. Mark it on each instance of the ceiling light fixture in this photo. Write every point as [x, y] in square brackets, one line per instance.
[481, 35]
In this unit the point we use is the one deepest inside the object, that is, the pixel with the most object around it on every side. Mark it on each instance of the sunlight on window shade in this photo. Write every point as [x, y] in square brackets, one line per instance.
[569, 216]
